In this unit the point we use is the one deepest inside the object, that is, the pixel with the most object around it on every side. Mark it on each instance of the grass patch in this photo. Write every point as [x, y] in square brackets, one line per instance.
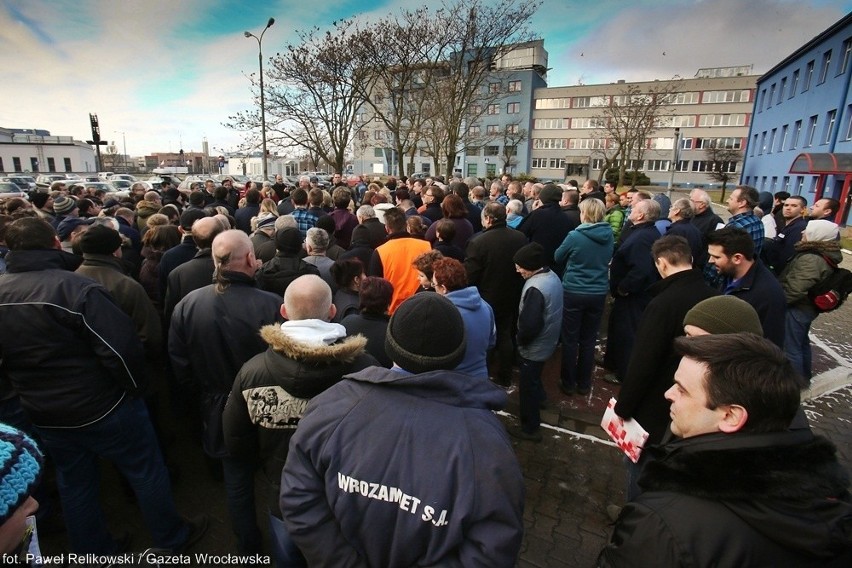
[846, 242]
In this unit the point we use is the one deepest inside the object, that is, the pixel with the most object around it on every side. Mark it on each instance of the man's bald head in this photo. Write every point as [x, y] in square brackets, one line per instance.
[205, 230]
[233, 251]
[308, 297]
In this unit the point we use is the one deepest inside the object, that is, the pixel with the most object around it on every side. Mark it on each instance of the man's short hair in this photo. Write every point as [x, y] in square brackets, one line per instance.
[365, 212]
[461, 189]
[800, 199]
[203, 232]
[446, 229]
[674, 248]
[593, 183]
[750, 195]
[395, 220]
[253, 196]
[700, 195]
[309, 299]
[650, 208]
[494, 211]
[750, 371]
[780, 195]
[315, 197]
[833, 205]
[571, 196]
[341, 197]
[345, 270]
[733, 241]
[299, 196]
[317, 239]
[515, 206]
[30, 233]
[684, 207]
[375, 295]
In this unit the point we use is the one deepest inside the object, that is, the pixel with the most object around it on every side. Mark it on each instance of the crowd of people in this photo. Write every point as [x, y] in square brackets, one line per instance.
[317, 335]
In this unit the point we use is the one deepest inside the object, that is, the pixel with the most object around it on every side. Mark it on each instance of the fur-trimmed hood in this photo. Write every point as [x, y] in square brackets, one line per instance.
[830, 249]
[345, 350]
[788, 486]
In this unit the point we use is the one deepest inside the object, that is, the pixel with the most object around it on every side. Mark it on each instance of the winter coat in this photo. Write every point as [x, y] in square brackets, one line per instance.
[174, 257]
[779, 250]
[149, 273]
[548, 225]
[479, 330]
[615, 217]
[764, 293]
[68, 350]
[489, 267]
[145, 209]
[371, 231]
[464, 231]
[807, 269]
[690, 232]
[128, 294]
[346, 301]
[393, 469]
[273, 388]
[244, 215]
[653, 361]
[632, 270]
[212, 335]
[274, 276]
[374, 328]
[585, 253]
[189, 276]
[736, 500]
[344, 223]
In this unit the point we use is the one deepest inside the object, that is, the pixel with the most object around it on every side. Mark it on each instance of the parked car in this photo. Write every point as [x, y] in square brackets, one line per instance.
[92, 186]
[121, 184]
[26, 183]
[187, 182]
[126, 177]
[45, 180]
[9, 190]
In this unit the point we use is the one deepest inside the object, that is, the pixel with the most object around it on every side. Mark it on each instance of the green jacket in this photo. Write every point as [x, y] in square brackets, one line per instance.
[615, 217]
[807, 269]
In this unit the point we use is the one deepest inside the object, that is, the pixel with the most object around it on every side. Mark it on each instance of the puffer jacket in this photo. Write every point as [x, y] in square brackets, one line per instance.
[67, 349]
[806, 269]
[272, 390]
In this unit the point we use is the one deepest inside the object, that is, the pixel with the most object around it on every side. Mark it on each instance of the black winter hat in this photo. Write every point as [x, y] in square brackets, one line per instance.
[288, 240]
[530, 257]
[100, 239]
[426, 333]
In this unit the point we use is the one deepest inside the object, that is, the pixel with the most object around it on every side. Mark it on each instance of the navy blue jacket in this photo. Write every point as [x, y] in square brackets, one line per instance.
[761, 289]
[632, 270]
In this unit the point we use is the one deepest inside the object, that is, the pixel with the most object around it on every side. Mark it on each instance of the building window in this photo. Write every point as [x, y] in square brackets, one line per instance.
[847, 53]
[378, 152]
[550, 143]
[563, 102]
[33, 164]
[683, 165]
[67, 164]
[728, 143]
[762, 101]
[587, 144]
[549, 123]
[471, 170]
[786, 184]
[512, 129]
[493, 109]
[514, 86]
[848, 125]
[830, 119]
[710, 97]
[556, 163]
[781, 90]
[51, 165]
[513, 108]
[594, 122]
[492, 150]
[762, 144]
[768, 101]
[16, 163]
[783, 144]
[809, 137]
[475, 110]
[493, 87]
[688, 98]
[2, 169]
[679, 121]
[658, 165]
[809, 74]
[772, 140]
[722, 120]
[794, 84]
[797, 131]
[510, 150]
[753, 145]
[492, 129]
[800, 183]
[686, 143]
[472, 150]
[826, 62]
[587, 102]
[539, 163]
[474, 130]
[661, 143]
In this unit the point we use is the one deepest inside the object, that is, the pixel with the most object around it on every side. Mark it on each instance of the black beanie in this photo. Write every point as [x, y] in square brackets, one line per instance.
[288, 240]
[100, 239]
[426, 333]
[530, 257]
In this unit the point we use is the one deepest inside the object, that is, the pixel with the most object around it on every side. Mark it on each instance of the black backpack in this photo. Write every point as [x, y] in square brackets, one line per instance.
[829, 293]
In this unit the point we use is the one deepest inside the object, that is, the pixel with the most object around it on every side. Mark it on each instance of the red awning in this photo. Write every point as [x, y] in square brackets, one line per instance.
[824, 163]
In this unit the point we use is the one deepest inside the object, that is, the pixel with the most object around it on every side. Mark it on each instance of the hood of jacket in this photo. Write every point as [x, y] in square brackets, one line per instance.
[831, 249]
[290, 346]
[447, 387]
[601, 233]
[41, 259]
[466, 298]
[147, 208]
[788, 486]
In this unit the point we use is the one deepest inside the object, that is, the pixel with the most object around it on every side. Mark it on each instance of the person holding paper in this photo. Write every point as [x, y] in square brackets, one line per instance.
[738, 488]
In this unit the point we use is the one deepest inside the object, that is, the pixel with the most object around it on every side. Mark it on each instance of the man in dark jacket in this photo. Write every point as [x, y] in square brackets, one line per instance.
[287, 264]
[244, 214]
[592, 190]
[369, 228]
[653, 361]
[780, 249]
[213, 332]
[631, 274]
[489, 267]
[680, 214]
[547, 225]
[306, 355]
[453, 499]
[75, 361]
[738, 488]
[184, 252]
[731, 251]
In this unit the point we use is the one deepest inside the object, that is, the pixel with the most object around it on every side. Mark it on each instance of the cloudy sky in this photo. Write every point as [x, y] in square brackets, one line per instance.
[169, 73]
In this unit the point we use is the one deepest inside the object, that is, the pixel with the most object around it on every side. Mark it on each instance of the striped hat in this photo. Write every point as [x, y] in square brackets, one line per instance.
[20, 469]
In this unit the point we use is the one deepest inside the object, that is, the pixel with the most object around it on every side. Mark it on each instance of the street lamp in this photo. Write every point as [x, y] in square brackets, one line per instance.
[124, 143]
[262, 105]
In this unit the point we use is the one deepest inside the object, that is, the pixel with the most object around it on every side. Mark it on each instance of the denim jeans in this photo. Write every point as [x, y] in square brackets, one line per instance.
[126, 438]
[285, 553]
[797, 345]
[531, 394]
[581, 319]
[239, 496]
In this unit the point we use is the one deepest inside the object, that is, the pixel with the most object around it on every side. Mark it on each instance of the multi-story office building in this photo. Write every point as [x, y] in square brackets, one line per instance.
[800, 140]
[570, 135]
[35, 151]
[496, 141]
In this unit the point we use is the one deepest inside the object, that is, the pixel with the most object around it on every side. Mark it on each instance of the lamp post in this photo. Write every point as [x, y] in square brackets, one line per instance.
[124, 144]
[262, 104]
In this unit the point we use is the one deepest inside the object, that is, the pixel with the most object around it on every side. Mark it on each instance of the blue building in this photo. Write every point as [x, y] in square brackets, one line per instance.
[800, 138]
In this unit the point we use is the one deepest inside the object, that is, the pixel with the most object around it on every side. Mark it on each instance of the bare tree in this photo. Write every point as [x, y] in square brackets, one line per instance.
[722, 164]
[310, 102]
[511, 136]
[628, 122]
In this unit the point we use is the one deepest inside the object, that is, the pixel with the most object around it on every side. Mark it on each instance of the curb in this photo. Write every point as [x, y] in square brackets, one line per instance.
[828, 382]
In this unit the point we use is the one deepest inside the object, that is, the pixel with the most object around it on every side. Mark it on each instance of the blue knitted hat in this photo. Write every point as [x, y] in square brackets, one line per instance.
[20, 469]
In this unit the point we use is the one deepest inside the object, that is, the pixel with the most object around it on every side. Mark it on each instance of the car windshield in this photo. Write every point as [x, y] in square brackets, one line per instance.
[8, 187]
